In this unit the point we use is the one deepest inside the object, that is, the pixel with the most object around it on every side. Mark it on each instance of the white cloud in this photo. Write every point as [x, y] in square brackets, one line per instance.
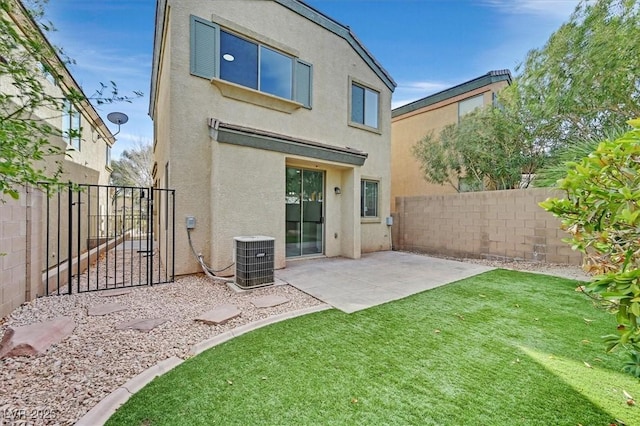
[408, 92]
[553, 9]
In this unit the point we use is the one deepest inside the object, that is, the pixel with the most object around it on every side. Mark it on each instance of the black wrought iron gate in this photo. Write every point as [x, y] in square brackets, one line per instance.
[101, 237]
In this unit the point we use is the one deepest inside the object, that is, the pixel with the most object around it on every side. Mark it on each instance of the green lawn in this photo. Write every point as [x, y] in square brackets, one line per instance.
[501, 348]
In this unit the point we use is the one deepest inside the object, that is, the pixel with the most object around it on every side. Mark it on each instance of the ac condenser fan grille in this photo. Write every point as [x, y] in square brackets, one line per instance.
[254, 261]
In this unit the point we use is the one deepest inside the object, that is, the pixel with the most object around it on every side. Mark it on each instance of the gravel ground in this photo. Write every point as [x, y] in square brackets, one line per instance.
[565, 271]
[77, 373]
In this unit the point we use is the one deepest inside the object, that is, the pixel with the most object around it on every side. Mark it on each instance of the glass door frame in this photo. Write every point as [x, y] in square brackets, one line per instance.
[296, 233]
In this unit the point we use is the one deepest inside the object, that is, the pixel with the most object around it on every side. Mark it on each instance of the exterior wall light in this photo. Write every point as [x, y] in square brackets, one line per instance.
[337, 190]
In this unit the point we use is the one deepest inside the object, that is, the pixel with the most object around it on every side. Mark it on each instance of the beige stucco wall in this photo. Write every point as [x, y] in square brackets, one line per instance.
[503, 225]
[240, 191]
[406, 177]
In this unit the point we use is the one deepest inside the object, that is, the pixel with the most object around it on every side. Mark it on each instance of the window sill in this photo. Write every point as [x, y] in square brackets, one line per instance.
[370, 220]
[365, 127]
[245, 94]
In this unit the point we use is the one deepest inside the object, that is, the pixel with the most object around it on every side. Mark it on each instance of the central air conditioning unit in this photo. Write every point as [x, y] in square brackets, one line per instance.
[254, 261]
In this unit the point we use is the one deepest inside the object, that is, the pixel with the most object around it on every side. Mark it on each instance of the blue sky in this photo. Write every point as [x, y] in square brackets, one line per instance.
[426, 45]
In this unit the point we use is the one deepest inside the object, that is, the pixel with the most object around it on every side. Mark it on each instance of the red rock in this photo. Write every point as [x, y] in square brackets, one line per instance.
[219, 315]
[35, 339]
[141, 324]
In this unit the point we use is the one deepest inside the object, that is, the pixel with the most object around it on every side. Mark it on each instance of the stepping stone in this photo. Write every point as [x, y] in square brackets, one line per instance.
[141, 324]
[114, 292]
[268, 301]
[220, 315]
[105, 308]
[35, 339]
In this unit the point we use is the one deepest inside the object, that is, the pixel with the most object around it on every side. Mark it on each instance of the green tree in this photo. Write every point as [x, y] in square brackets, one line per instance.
[581, 86]
[584, 81]
[601, 213]
[555, 168]
[489, 148]
[135, 166]
[28, 105]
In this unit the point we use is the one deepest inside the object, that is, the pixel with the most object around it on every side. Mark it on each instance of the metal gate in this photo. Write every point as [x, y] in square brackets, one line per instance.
[101, 237]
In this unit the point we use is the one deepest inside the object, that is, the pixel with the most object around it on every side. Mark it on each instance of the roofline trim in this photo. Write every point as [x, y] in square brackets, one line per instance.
[476, 83]
[343, 31]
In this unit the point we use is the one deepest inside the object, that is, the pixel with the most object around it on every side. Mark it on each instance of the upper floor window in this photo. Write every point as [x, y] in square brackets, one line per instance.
[71, 125]
[217, 53]
[364, 105]
[468, 105]
[46, 73]
[108, 156]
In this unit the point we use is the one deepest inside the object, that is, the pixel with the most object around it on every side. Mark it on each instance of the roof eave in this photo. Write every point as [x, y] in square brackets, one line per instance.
[484, 80]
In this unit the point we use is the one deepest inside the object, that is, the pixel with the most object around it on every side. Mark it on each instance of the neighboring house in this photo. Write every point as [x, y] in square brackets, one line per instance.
[88, 146]
[270, 119]
[85, 137]
[413, 121]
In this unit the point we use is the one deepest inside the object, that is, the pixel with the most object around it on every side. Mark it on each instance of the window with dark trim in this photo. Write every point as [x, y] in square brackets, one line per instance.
[468, 105]
[218, 53]
[71, 125]
[364, 105]
[368, 198]
[108, 156]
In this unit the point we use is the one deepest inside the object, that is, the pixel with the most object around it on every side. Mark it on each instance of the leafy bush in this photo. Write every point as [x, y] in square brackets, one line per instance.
[602, 216]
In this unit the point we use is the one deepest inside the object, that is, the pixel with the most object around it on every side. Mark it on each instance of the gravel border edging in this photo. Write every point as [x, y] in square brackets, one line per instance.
[102, 411]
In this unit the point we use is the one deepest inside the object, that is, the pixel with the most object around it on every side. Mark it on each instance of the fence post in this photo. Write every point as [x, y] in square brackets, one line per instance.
[150, 210]
[70, 238]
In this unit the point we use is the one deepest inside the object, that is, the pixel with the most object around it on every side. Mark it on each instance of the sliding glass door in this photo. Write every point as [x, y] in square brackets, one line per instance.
[305, 212]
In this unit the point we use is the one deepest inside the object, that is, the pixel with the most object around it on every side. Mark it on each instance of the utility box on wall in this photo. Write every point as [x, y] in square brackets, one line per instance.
[254, 261]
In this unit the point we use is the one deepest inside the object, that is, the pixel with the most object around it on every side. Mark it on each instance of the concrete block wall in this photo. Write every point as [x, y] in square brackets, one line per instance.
[21, 250]
[501, 225]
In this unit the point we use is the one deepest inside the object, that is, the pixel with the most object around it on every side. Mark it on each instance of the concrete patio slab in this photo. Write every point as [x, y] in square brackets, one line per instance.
[355, 284]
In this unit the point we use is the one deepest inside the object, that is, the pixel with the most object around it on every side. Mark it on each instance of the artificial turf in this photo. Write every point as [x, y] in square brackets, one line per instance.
[500, 348]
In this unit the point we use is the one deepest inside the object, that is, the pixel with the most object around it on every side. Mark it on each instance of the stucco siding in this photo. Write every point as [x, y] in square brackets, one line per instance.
[234, 190]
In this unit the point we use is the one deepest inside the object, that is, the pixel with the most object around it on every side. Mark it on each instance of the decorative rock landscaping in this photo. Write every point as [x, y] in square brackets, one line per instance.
[141, 324]
[268, 301]
[105, 309]
[106, 350]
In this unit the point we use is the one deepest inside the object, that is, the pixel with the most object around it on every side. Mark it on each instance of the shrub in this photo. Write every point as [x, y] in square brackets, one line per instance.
[602, 216]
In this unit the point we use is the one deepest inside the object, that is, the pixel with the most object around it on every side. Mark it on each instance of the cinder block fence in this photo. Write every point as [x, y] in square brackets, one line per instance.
[501, 225]
[21, 249]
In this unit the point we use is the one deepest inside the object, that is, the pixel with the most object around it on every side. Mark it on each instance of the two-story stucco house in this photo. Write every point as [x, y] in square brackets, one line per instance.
[270, 119]
[413, 121]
